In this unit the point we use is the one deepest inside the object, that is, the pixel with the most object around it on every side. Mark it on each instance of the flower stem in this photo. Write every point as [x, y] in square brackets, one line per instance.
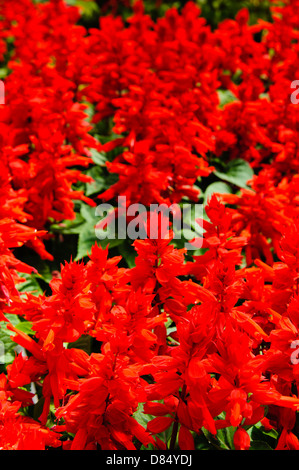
[176, 422]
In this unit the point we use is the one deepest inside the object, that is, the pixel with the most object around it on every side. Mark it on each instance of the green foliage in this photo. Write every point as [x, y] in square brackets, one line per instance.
[25, 327]
[262, 439]
[214, 188]
[214, 11]
[225, 97]
[30, 284]
[237, 172]
[222, 441]
[87, 233]
[84, 343]
[8, 346]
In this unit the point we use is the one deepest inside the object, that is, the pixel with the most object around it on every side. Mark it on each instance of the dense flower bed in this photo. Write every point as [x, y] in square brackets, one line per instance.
[145, 344]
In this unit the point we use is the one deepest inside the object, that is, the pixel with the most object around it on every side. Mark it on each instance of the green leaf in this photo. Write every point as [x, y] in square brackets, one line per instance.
[88, 213]
[12, 318]
[264, 96]
[83, 343]
[3, 73]
[88, 9]
[128, 253]
[7, 353]
[225, 97]
[25, 327]
[68, 227]
[237, 172]
[223, 439]
[226, 436]
[86, 240]
[30, 284]
[258, 433]
[7, 349]
[142, 418]
[44, 271]
[259, 445]
[99, 158]
[38, 408]
[99, 182]
[201, 442]
[214, 188]
[213, 441]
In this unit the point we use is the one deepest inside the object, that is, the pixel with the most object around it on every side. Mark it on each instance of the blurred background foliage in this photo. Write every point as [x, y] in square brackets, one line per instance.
[214, 11]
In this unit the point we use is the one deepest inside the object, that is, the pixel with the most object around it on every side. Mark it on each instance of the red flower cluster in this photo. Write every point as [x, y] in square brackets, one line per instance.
[195, 344]
[43, 127]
